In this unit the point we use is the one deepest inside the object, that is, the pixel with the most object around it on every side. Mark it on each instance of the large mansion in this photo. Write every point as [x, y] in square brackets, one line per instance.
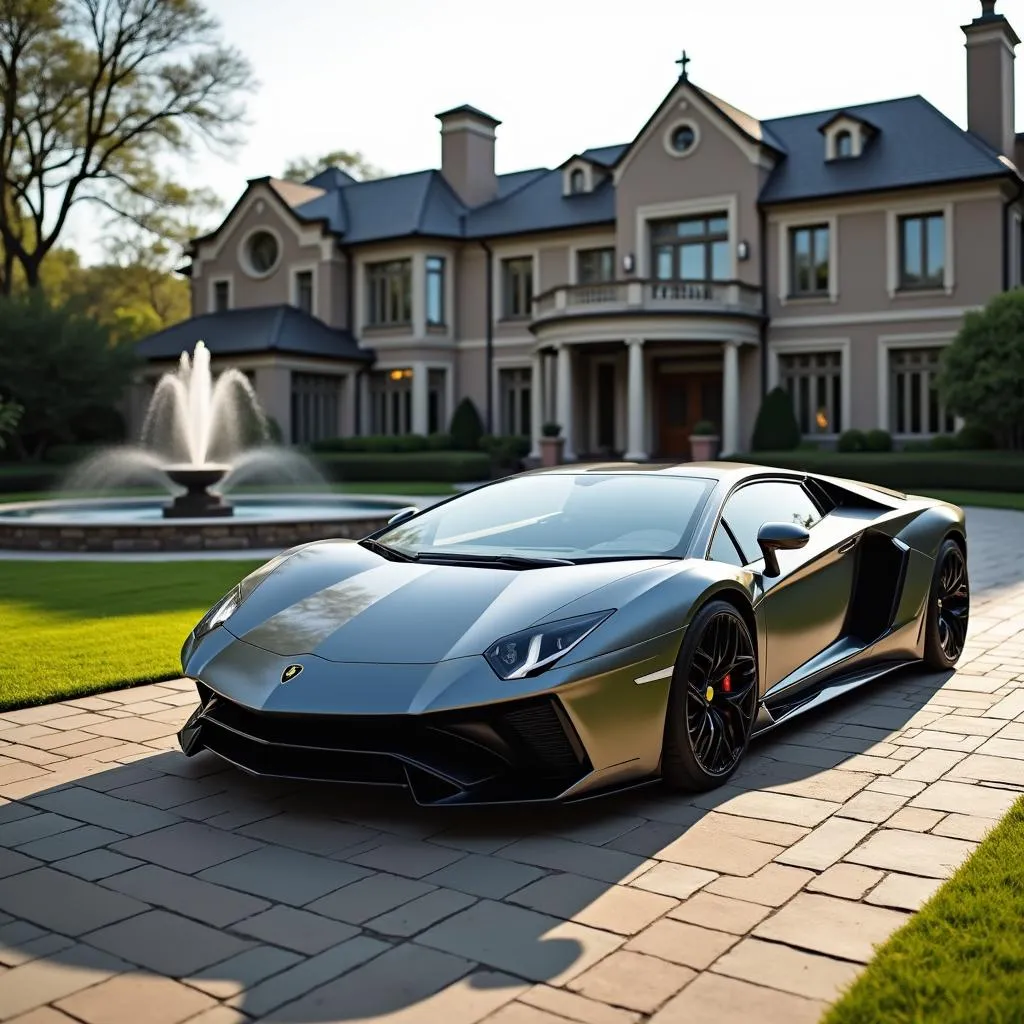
[637, 288]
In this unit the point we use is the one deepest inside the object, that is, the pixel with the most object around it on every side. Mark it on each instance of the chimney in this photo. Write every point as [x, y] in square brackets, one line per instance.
[990, 44]
[467, 154]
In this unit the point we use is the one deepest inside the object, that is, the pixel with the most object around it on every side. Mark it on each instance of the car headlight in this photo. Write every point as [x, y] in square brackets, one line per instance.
[533, 650]
[219, 613]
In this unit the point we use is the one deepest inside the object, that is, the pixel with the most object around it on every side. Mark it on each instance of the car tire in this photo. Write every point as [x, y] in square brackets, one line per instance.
[710, 704]
[949, 608]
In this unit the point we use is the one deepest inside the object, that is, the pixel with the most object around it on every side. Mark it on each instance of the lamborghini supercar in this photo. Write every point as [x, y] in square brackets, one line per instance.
[562, 633]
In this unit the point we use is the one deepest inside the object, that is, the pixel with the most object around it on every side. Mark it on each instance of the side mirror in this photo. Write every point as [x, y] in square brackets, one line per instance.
[774, 537]
[402, 514]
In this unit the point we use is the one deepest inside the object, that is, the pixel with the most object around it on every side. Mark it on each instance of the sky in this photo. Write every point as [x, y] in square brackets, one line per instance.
[370, 75]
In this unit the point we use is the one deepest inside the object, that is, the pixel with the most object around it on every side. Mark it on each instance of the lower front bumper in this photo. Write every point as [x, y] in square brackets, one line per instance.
[514, 751]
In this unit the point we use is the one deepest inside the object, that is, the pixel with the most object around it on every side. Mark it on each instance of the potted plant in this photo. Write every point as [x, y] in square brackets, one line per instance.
[704, 441]
[552, 444]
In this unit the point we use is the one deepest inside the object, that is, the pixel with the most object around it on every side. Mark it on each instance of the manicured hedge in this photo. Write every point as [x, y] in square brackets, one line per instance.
[915, 472]
[440, 467]
[18, 477]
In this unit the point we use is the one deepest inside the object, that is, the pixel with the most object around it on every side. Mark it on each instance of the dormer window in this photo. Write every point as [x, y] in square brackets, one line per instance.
[577, 181]
[844, 145]
[577, 178]
[846, 136]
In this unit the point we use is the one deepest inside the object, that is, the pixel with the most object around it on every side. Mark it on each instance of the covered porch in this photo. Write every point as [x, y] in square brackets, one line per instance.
[640, 398]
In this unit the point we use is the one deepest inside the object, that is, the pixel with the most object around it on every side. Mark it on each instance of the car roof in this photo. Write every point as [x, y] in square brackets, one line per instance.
[728, 472]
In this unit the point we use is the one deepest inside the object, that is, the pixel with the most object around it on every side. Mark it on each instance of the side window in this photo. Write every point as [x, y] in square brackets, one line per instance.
[724, 550]
[770, 502]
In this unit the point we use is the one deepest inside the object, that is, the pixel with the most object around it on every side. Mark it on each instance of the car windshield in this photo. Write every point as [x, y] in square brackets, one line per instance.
[575, 516]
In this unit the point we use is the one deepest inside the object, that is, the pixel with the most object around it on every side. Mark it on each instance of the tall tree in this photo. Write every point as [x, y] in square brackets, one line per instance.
[93, 93]
[304, 168]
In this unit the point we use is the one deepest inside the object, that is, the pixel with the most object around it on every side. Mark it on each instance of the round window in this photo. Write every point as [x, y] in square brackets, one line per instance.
[682, 138]
[263, 252]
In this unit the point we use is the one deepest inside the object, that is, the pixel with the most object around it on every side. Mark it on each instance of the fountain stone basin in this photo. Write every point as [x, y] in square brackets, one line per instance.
[197, 502]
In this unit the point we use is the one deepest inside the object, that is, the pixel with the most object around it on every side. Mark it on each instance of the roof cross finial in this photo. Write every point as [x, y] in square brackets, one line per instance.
[682, 62]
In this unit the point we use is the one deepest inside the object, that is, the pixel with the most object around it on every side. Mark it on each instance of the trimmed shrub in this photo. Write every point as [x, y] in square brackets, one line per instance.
[776, 428]
[382, 443]
[851, 441]
[943, 443]
[466, 427]
[438, 467]
[975, 438]
[878, 441]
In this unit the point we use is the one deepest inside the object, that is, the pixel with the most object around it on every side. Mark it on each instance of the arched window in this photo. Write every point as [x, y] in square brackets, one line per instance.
[577, 181]
[844, 145]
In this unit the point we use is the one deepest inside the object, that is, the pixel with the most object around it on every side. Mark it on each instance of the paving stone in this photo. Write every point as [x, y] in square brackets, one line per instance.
[522, 1013]
[419, 914]
[791, 970]
[12, 863]
[520, 941]
[915, 819]
[933, 739]
[230, 977]
[43, 981]
[414, 985]
[167, 791]
[187, 847]
[369, 897]
[322, 836]
[675, 880]
[183, 894]
[968, 726]
[309, 974]
[96, 864]
[871, 806]
[594, 827]
[986, 768]
[649, 839]
[965, 826]
[481, 875]
[43, 1015]
[771, 886]
[762, 804]
[899, 787]
[703, 848]
[106, 811]
[166, 943]
[616, 908]
[719, 913]
[682, 943]
[1010, 706]
[412, 859]
[715, 999]
[836, 786]
[606, 865]
[838, 928]
[849, 881]
[826, 844]
[70, 843]
[45, 944]
[633, 980]
[294, 929]
[570, 1006]
[37, 826]
[913, 853]
[62, 903]
[930, 765]
[135, 997]
[903, 892]
[13, 811]
[284, 876]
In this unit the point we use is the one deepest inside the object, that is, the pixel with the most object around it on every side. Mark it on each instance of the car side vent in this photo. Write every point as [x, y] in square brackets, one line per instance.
[540, 728]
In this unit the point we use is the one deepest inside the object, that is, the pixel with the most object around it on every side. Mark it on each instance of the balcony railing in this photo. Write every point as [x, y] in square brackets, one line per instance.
[648, 296]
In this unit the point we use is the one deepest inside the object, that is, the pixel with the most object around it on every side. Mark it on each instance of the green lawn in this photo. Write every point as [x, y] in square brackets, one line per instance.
[960, 960]
[72, 628]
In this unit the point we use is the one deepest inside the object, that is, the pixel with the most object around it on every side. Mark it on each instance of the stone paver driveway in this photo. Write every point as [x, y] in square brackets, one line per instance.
[137, 886]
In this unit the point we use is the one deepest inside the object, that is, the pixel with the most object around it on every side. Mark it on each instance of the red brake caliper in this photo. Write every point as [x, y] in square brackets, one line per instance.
[727, 684]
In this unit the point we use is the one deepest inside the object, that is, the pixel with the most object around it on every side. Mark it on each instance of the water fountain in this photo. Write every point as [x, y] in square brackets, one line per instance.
[202, 439]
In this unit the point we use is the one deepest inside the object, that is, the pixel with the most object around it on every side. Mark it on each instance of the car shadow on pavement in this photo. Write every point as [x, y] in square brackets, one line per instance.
[314, 903]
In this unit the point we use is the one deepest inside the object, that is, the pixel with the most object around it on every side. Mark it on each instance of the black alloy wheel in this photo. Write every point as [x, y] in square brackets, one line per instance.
[713, 700]
[949, 608]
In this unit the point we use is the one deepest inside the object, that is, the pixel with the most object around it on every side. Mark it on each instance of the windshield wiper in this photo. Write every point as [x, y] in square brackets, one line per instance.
[386, 550]
[513, 561]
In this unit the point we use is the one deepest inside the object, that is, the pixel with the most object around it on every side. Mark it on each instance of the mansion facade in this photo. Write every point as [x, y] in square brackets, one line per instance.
[635, 290]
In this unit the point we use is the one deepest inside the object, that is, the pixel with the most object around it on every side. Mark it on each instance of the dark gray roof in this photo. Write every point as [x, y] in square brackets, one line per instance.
[915, 144]
[465, 108]
[607, 156]
[257, 329]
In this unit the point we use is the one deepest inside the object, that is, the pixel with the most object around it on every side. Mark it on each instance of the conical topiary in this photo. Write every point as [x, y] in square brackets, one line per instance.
[776, 428]
[467, 427]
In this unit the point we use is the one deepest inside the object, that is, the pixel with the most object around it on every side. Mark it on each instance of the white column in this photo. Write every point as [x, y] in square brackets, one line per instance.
[635, 405]
[564, 411]
[420, 399]
[536, 403]
[730, 398]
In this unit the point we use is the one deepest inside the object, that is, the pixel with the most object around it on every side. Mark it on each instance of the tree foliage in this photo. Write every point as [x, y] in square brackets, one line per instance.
[351, 161]
[982, 372]
[10, 414]
[60, 367]
[94, 94]
[776, 428]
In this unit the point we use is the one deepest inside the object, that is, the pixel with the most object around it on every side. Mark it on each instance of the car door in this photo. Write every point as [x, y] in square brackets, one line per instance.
[803, 608]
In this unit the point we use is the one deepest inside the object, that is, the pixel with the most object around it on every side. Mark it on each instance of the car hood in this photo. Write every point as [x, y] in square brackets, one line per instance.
[341, 602]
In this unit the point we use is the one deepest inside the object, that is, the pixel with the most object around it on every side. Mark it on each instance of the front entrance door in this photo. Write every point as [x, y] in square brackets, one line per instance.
[683, 400]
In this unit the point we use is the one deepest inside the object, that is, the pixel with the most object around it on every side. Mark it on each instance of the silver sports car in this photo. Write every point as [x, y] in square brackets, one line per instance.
[562, 633]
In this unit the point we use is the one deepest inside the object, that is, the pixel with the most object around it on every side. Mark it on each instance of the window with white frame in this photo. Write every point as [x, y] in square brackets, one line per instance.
[595, 266]
[514, 386]
[914, 403]
[435, 291]
[391, 401]
[922, 251]
[517, 287]
[814, 381]
[304, 290]
[389, 293]
[221, 296]
[316, 404]
[809, 260]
